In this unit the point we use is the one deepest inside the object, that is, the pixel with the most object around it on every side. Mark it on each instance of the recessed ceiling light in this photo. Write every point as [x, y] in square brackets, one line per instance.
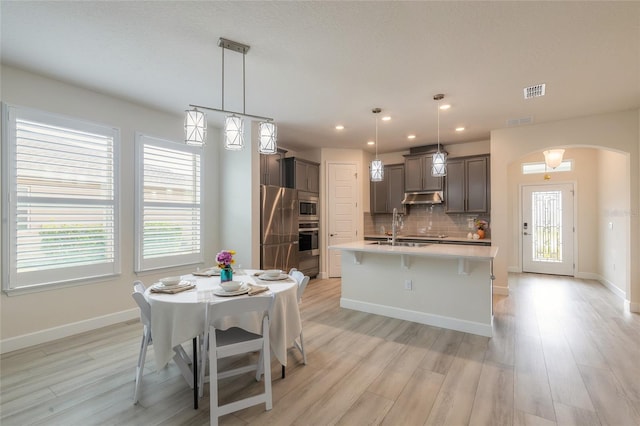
[411, 137]
[459, 129]
[339, 127]
[371, 143]
[386, 118]
[445, 106]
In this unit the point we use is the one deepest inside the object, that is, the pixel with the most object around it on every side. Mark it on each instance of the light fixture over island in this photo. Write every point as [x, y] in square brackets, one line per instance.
[448, 286]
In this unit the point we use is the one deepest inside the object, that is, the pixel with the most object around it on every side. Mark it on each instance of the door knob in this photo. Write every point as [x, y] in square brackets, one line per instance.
[331, 235]
[525, 233]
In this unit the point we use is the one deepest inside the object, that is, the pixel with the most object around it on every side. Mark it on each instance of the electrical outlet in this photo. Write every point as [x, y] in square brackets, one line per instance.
[408, 285]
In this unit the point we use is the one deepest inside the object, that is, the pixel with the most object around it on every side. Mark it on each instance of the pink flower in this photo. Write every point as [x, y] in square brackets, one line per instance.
[225, 258]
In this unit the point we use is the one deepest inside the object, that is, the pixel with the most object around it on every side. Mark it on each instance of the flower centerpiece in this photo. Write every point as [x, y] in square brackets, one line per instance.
[481, 226]
[225, 260]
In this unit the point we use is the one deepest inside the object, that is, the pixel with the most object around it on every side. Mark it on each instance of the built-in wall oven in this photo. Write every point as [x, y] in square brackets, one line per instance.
[308, 248]
[307, 207]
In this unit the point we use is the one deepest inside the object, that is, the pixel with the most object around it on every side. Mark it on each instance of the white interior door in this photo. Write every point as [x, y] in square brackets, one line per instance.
[548, 229]
[342, 209]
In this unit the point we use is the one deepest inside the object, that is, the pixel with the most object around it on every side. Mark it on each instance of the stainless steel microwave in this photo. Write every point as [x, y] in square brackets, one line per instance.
[308, 209]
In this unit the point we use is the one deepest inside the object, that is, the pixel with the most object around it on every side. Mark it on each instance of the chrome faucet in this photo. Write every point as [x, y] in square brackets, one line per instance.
[394, 226]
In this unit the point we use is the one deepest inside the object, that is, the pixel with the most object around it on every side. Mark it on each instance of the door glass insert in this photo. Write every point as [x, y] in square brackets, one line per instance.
[547, 226]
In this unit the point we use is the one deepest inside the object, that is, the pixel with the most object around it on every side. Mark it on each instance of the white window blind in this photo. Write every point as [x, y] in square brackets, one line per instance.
[61, 192]
[168, 193]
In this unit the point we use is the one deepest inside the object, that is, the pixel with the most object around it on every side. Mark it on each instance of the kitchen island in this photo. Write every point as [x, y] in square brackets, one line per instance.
[444, 285]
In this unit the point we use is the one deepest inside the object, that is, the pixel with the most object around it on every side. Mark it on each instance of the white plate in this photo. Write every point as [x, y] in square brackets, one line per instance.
[276, 278]
[165, 286]
[219, 291]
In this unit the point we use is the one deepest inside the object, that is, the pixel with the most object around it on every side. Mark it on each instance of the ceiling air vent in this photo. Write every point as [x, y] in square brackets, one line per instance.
[534, 91]
[519, 121]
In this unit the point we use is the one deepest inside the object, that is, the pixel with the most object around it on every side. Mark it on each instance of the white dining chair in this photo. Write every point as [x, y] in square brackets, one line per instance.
[302, 280]
[180, 357]
[219, 344]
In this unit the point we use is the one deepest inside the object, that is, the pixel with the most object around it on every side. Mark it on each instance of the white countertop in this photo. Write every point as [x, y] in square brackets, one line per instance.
[431, 250]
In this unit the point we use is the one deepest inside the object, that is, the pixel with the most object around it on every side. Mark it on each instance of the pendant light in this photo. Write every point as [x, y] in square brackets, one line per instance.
[195, 127]
[196, 124]
[376, 169]
[553, 157]
[268, 138]
[439, 161]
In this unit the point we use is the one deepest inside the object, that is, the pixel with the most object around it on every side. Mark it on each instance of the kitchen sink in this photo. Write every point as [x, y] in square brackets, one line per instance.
[400, 244]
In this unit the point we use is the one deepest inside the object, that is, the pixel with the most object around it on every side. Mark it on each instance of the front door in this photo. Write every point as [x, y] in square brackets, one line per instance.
[548, 229]
[342, 209]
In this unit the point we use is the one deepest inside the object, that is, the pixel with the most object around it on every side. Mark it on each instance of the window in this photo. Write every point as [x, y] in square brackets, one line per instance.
[539, 168]
[168, 199]
[60, 193]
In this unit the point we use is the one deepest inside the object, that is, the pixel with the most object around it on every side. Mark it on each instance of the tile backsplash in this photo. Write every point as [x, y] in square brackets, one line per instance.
[425, 219]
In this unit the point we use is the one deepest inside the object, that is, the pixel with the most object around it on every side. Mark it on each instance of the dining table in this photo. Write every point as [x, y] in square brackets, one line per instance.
[178, 318]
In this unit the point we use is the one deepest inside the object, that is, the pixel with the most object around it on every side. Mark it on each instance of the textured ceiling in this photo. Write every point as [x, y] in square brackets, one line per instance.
[313, 65]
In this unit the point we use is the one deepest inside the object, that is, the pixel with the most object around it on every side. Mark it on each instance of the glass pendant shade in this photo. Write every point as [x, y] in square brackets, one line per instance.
[233, 133]
[195, 127]
[268, 138]
[553, 157]
[439, 165]
[377, 171]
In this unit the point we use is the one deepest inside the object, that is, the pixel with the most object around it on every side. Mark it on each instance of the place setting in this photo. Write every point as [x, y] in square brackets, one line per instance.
[271, 275]
[172, 285]
[238, 288]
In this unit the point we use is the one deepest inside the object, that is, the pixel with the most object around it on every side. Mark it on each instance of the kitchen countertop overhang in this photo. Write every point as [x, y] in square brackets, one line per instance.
[471, 252]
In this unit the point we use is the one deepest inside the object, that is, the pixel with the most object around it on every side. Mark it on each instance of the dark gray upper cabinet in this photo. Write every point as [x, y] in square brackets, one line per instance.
[302, 174]
[468, 185]
[389, 193]
[271, 168]
[418, 174]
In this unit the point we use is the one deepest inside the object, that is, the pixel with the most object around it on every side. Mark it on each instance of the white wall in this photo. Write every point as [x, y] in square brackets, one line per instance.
[612, 220]
[619, 131]
[26, 318]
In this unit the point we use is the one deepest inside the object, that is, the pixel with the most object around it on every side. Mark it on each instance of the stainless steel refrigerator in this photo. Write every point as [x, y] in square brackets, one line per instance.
[279, 228]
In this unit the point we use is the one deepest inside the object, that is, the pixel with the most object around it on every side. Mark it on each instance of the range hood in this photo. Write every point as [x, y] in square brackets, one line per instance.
[433, 197]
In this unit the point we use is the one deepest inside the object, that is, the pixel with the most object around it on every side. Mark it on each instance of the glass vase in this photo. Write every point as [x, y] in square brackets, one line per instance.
[226, 274]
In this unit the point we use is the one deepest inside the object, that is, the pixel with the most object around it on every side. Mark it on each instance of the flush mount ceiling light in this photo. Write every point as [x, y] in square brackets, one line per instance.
[439, 164]
[376, 169]
[195, 123]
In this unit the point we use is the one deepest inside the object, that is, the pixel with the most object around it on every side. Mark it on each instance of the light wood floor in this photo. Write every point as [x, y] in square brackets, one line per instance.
[564, 352]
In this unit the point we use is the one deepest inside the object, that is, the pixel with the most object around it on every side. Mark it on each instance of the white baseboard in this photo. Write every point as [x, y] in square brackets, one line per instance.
[588, 276]
[43, 336]
[611, 286]
[632, 306]
[516, 269]
[419, 317]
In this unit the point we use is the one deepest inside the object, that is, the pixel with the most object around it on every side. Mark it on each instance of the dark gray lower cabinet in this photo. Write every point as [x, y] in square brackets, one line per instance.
[389, 193]
[467, 188]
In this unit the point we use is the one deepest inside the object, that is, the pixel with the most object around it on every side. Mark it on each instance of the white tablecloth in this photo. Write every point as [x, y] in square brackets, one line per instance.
[178, 318]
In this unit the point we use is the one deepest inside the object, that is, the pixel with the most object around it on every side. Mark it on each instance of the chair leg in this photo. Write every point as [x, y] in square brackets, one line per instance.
[140, 367]
[267, 377]
[300, 347]
[304, 354]
[195, 373]
[204, 349]
[259, 367]
[213, 387]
